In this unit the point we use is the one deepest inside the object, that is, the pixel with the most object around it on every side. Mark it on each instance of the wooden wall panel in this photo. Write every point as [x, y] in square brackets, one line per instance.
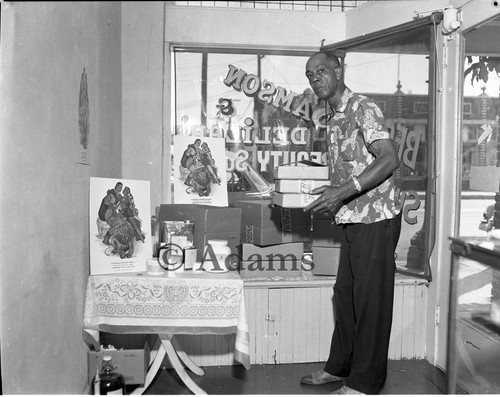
[397, 324]
[327, 323]
[421, 322]
[295, 324]
[301, 324]
[409, 323]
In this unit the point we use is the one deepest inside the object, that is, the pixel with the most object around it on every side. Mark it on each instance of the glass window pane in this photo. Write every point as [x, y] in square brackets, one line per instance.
[393, 67]
[257, 131]
[398, 83]
[480, 201]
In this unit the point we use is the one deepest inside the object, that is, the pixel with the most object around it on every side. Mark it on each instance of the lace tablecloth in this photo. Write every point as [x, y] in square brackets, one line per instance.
[182, 303]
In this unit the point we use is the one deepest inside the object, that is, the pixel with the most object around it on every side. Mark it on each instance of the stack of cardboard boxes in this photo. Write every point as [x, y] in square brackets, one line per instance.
[293, 187]
[272, 239]
[294, 184]
[269, 240]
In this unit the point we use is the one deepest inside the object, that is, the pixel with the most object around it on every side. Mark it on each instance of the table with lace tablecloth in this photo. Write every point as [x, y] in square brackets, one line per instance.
[194, 303]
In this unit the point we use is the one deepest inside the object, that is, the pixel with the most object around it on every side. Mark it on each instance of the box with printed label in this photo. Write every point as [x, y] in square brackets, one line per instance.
[267, 236]
[131, 359]
[301, 172]
[325, 261]
[262, 223]
[299, 185]
[210, 222]
[293, 200]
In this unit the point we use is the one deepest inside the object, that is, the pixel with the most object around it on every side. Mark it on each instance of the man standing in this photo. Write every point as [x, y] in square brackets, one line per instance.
[361, 197]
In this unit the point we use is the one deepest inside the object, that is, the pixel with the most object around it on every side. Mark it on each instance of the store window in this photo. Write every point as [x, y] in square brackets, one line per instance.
[397, 67]
[261, 103]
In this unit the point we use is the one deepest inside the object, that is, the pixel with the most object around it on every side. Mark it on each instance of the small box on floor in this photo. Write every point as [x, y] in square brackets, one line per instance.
[131, 358]
[325, 261]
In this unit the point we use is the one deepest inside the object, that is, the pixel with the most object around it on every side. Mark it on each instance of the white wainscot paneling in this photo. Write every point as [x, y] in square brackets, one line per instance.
[292, 322]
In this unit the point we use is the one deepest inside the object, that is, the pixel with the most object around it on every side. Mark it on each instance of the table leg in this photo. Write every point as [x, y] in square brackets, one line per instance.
[184, 357]
[153, 367]
[155, 349]
[176, 363]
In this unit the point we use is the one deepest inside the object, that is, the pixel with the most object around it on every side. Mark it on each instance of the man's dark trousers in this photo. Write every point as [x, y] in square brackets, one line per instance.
[363, 294]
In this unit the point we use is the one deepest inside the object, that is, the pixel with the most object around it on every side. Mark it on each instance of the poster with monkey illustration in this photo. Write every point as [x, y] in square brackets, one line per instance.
[200, 171]
[120, 225]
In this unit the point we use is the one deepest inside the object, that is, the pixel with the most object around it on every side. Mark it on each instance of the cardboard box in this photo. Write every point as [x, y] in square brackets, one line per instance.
[262, 223]
[210, 222]
[251, 252]
[326, 234]
[301, 172]
[293, 200]
[131, 359]
[270, 269]
[260, 213]
[280, 260]
[325, 261]
[299, 185]
[270, 236]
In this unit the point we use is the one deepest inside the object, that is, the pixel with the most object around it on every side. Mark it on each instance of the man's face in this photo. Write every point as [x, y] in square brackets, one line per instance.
[323, 75]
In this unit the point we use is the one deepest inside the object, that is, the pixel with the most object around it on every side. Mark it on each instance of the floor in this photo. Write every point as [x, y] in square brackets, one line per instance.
[404, 377]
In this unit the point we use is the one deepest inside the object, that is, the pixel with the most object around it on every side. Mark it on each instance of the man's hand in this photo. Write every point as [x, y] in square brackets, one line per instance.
[330, 198]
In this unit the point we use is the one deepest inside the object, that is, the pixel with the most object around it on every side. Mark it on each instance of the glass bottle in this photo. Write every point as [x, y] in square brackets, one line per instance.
[96, 383]
[108, 381]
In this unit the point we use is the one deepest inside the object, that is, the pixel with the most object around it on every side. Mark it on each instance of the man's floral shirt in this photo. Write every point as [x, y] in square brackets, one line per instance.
[355, 125]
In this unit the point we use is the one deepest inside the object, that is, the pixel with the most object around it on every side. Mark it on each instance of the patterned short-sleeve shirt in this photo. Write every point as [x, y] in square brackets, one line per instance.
[355, 125]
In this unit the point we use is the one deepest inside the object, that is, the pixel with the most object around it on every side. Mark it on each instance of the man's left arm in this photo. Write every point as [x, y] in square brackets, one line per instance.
[385, 163]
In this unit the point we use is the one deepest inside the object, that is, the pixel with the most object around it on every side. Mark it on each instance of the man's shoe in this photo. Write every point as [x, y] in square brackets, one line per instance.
[346, 390]
[319, 378]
